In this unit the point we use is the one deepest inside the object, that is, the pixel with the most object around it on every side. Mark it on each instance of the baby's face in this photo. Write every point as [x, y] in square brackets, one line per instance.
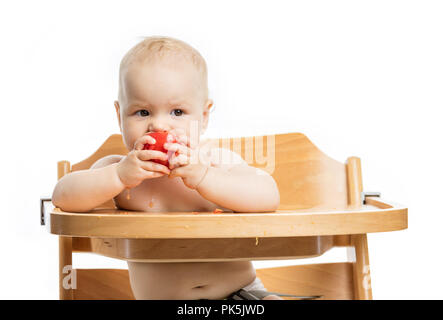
[161, 96]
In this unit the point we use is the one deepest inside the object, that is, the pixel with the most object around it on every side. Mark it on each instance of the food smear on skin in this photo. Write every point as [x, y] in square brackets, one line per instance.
[151, 202]
[128, 195]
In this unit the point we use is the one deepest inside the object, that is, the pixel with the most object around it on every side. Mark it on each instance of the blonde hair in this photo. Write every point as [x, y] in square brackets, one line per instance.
[154, 47]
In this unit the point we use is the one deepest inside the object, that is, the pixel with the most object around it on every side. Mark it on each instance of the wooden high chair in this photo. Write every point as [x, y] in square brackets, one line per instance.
[322, 205]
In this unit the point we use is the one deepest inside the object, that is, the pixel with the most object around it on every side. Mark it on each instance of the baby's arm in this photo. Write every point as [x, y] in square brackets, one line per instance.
[241, 188]
[82, 191]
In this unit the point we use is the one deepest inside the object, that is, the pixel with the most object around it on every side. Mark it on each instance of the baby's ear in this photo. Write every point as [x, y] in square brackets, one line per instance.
[117, 109]
[208, 105]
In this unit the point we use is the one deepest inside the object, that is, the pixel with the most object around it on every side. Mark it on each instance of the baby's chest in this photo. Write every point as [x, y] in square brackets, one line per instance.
[162, 195]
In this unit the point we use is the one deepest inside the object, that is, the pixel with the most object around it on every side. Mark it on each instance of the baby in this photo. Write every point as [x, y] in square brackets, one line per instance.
[163, 87]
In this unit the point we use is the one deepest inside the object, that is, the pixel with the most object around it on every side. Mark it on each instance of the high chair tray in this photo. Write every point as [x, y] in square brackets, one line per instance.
[377, 215]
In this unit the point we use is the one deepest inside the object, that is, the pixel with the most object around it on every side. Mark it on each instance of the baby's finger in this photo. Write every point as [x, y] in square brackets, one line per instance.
[180, 135]
[180, 160]
[183, 139]
[146, 155]
[153, 174]
[151, 139]
[177, 172]
[157, 167]
[140, 142]
[177, 147]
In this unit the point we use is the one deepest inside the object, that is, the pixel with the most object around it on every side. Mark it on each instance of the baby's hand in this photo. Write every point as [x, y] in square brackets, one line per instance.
[136, 167]
[181, 137]
[191, 163]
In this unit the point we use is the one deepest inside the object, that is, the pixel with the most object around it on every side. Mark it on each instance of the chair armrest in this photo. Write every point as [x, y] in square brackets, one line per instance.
[383, 203]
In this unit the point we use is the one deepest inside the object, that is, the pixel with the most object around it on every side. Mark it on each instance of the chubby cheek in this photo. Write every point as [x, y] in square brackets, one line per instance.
[130, 133]
[193, 129]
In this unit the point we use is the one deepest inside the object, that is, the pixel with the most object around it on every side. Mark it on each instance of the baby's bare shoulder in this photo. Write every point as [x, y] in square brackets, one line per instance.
[106, 161]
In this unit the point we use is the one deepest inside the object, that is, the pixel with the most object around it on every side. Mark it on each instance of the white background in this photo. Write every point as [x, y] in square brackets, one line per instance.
[359, 78]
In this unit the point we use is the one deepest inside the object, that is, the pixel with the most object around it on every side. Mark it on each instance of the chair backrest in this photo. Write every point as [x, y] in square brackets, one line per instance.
[305, 176]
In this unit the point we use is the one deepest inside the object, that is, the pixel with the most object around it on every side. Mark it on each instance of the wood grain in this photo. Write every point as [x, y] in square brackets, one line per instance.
[319, 208]
[65, 248]
[205, 250]
[103, 284]
[359, 241]
[331, 280]
[108, 223]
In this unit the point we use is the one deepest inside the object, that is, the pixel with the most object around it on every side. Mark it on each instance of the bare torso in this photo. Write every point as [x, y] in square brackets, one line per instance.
[199, 280]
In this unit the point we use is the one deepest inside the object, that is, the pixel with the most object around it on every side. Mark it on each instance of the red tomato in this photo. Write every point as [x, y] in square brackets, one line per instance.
[160, 139]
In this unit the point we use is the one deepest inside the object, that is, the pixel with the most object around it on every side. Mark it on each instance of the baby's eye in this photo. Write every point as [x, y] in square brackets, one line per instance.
[178, 112]
[143, 113]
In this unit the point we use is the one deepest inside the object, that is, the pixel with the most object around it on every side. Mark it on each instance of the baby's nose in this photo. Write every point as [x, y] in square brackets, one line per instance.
[158, 127]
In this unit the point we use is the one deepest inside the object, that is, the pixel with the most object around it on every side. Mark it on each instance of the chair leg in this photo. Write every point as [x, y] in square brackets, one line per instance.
[67, 279]
[361, 272]
[359, 242]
